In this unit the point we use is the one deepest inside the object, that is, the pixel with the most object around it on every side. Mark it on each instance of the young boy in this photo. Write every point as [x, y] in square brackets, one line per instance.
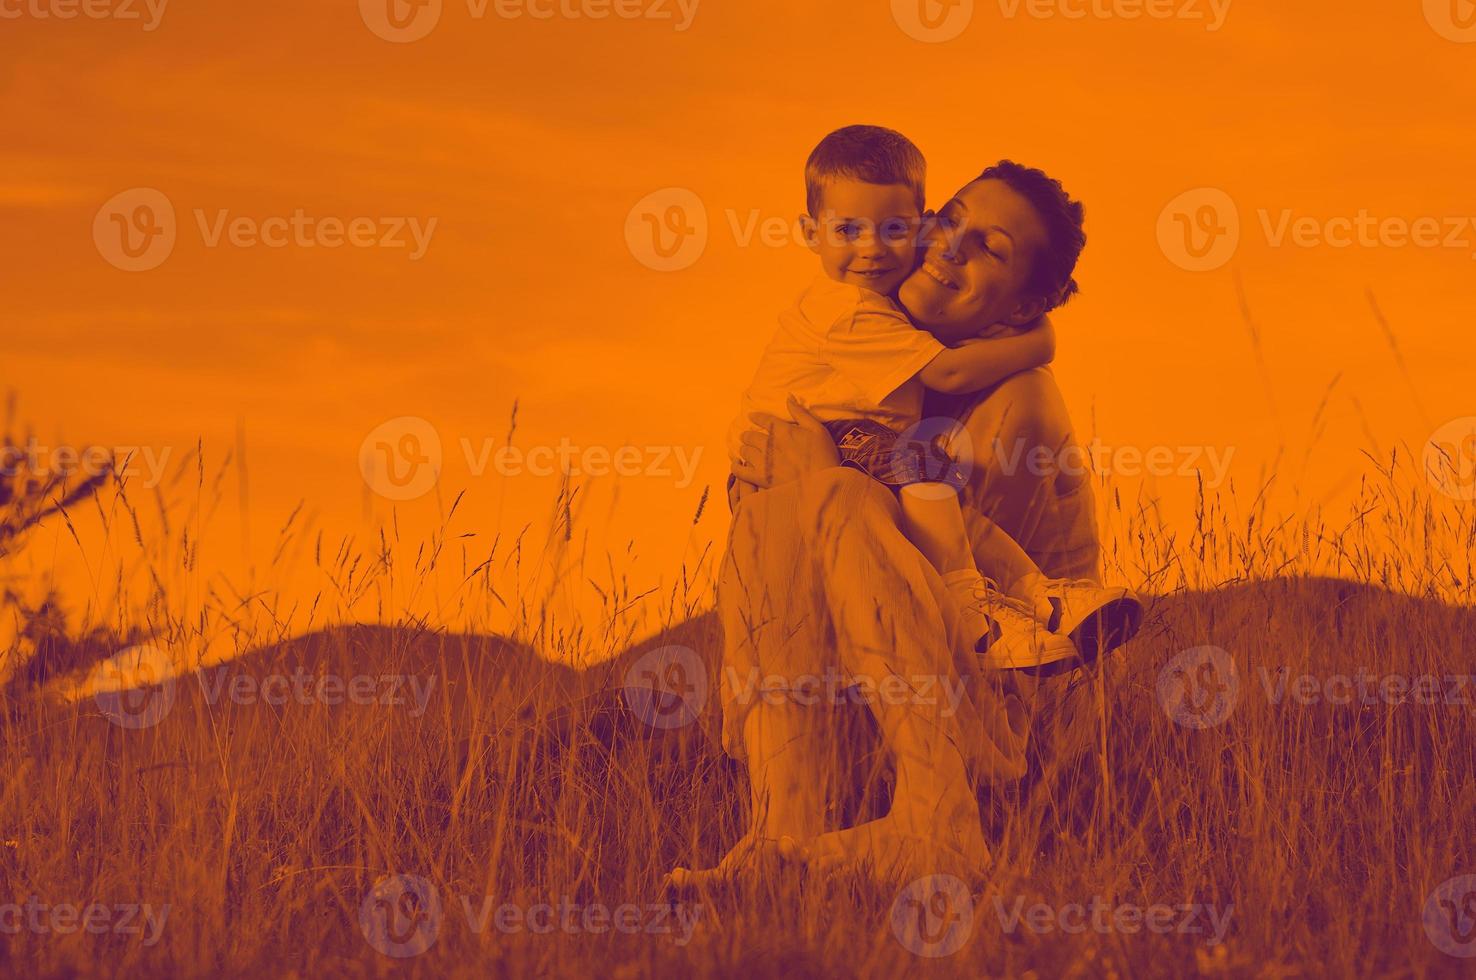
[851, 356]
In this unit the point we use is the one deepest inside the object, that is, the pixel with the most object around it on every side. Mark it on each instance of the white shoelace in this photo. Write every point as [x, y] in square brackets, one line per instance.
[993, 596]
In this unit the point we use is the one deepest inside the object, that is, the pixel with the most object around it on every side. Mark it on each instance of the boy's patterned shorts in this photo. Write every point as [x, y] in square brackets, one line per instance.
[887, 457]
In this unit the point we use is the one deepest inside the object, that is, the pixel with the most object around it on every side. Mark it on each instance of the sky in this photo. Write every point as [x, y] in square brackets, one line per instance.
[356, 230]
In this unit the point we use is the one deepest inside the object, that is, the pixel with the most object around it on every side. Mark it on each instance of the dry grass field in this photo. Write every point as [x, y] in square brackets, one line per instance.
[252, 819]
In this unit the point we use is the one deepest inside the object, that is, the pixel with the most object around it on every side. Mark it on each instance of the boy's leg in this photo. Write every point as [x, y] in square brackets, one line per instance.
[932, 519]
[1095, 618]
[1002, 559]
[933, 522]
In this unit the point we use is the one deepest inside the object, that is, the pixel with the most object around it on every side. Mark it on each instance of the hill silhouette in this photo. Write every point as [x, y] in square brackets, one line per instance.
[471, 676]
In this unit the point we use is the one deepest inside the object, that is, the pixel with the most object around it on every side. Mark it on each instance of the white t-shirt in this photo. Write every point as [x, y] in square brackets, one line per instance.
[846, 353]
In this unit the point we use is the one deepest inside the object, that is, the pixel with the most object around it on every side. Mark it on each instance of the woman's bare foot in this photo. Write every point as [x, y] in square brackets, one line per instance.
[750, 860]
[896, 848]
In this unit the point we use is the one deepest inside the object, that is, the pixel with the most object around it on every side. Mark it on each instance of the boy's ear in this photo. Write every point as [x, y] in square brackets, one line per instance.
[810, 229]
[926, 225]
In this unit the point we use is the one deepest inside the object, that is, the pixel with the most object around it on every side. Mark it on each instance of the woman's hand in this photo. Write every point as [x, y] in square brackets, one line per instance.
[781, 451]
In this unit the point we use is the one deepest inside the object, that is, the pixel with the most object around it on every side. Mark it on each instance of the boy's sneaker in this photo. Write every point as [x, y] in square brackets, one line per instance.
[1010, 637]
[1097, 618]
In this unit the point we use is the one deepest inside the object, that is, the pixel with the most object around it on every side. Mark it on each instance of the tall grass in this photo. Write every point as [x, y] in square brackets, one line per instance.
[1319, 829]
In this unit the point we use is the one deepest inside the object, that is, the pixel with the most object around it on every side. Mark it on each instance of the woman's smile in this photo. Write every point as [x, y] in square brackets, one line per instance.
[939, 274]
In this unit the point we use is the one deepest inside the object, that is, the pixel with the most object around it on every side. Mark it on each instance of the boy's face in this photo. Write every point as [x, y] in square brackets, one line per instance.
[865, 234]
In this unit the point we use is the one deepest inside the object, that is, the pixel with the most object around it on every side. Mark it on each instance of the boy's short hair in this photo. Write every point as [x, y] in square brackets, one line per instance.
[1051, 272]
[871, 154]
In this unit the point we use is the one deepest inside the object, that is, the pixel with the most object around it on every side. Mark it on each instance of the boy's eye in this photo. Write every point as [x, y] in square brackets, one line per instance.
[894, 231]
[850, 229]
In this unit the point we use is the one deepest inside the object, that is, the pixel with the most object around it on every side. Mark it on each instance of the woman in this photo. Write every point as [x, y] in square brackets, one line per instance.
[818, 573]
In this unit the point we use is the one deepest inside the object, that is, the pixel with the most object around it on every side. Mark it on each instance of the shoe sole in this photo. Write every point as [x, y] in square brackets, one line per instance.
[1100, 633]
[1069, 657]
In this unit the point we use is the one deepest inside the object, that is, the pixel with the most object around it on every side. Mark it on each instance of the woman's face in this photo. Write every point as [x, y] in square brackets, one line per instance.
[977, 261]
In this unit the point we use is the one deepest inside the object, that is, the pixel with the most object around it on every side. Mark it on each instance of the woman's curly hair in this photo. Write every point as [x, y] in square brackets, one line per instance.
[1051, 273]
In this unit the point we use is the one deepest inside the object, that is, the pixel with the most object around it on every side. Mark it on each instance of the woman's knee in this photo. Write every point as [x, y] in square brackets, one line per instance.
[841, 491]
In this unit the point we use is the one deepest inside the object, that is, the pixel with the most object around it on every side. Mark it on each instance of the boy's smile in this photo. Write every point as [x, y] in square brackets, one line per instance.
[866, 234]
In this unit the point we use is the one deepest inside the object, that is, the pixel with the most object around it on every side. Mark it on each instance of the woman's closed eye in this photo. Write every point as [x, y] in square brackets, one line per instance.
[1000, 252]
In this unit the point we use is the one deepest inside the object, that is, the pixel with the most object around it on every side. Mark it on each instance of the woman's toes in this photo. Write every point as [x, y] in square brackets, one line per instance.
[792, 850]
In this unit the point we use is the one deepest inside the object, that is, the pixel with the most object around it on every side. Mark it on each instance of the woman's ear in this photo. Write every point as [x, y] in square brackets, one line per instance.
[1027, 312]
